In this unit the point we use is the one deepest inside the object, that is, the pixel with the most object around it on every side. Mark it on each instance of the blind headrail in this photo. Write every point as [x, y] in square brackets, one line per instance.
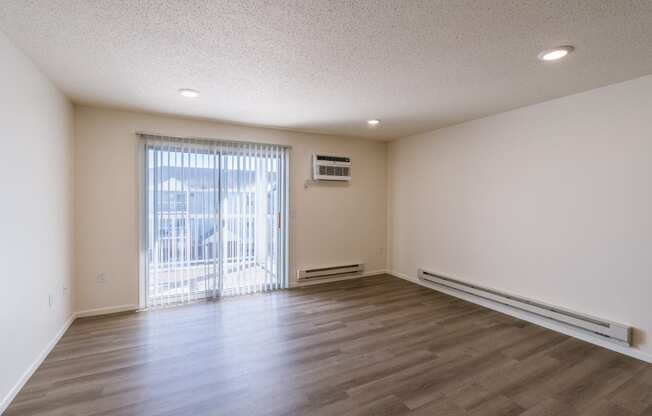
[204, 140]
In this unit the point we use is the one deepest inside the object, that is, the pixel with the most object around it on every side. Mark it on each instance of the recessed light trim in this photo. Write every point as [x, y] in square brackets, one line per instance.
[555, 54]
[373, 122]
[188, 93]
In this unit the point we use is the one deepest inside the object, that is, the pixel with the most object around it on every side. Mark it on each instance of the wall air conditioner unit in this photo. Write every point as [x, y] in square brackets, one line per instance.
[330, 272]
[331, 168]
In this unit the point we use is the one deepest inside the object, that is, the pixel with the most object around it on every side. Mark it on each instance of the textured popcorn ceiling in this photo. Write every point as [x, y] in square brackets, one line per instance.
[327, 66]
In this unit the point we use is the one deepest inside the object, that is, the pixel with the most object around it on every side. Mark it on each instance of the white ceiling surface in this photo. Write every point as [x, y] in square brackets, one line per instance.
[327, 66]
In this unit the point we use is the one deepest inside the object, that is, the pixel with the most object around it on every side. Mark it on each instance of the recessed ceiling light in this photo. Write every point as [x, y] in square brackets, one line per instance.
[189, 93]
[555, 53]
[373, 122]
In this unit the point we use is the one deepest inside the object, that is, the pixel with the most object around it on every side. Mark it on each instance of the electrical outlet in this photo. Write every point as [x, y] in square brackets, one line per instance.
[101, 278]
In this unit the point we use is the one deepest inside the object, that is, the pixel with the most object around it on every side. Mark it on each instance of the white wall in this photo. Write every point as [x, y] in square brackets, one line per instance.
[328, 224]
[36, 213]
[551, 201]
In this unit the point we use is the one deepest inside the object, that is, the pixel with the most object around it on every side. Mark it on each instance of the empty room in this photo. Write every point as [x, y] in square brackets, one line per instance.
[326, 207]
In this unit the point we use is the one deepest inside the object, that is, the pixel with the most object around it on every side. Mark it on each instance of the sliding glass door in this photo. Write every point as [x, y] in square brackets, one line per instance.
[215, 219]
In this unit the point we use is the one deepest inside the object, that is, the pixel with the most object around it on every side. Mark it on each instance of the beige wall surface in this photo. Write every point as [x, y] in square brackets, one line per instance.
[36, 242]
[551, 201]
[328, 224]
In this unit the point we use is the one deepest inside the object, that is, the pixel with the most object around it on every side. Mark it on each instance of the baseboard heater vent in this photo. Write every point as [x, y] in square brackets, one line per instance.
[619, 333]
[330, 272]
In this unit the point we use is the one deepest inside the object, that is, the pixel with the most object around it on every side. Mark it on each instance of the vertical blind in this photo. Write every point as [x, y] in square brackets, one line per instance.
[216, 219]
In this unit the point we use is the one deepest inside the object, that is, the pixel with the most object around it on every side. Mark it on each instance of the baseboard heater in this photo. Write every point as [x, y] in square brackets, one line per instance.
[619, 333]
[330, 272]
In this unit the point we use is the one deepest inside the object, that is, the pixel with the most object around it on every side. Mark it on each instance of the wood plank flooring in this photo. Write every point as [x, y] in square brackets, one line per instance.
[373, 346]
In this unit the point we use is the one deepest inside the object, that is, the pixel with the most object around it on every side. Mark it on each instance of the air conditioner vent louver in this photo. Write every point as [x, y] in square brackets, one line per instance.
[331, 168]
[330, 271]
[333, 158]
[616, 332]
[333, 171]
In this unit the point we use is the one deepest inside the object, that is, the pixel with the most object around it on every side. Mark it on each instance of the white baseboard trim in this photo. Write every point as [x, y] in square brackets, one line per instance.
[6, 401]
[337, 279]
[105, 311]
[535, 319]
